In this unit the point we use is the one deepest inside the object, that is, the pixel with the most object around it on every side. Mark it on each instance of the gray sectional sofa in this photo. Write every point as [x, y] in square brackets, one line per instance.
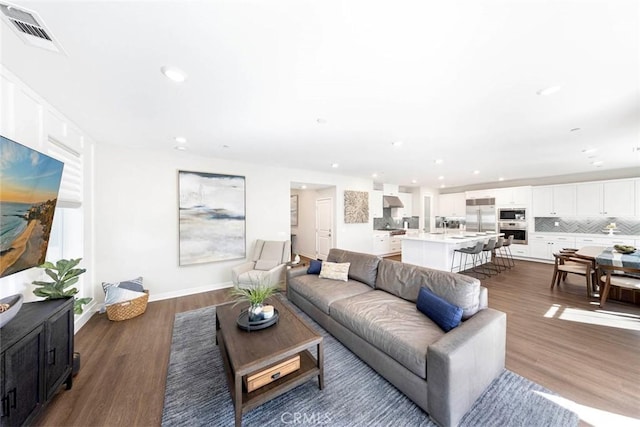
[374, 314]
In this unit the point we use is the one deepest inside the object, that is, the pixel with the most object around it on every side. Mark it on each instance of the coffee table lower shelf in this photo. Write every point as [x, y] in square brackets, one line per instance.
[309, 368]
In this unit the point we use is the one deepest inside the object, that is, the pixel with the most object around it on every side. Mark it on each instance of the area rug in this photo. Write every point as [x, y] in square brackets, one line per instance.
[354, 395]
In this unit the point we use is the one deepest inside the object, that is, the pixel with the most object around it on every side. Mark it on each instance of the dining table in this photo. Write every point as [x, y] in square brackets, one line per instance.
[606, 255]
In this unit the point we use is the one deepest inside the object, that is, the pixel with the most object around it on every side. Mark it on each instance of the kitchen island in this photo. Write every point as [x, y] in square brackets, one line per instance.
[436, 250]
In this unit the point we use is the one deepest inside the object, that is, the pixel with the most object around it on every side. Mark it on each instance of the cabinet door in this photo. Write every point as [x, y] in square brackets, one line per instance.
[22, 367]
[542, 200]
[539, 249]
[564, 200]
[522, 196]
[589, 199]
[381, 244]
[58, 350]
[619, 198]
[376, 204]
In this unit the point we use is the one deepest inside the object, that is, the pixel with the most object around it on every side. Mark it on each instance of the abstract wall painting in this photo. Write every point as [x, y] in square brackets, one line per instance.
[212, 217]
[356, 207]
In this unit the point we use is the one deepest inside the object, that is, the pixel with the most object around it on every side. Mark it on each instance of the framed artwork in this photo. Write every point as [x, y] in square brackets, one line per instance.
[356, 207]
[212, 219]
[294, 210]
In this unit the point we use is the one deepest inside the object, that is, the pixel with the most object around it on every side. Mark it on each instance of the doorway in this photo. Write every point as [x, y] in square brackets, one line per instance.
[324, 227]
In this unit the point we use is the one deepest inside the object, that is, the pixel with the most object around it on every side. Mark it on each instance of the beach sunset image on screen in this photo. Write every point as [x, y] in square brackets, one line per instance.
[29, 184]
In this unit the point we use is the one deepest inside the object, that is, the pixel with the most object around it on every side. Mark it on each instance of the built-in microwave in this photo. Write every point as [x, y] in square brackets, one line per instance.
[511, 214]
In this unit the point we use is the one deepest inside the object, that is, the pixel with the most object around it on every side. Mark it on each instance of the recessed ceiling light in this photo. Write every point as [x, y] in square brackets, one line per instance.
[549, 90]
[441, 177]
[589, 150]
[438, 161]
[226, 146]
[334, 165]
[396, 143]
[476, 172]
[414, 181]
[181, 140]
[321, 121]
[575, 130]
[500, 179]
[442, 185]
[597, 163]
[374, 175]
[174, 74]
[303, 186]
[180, 147]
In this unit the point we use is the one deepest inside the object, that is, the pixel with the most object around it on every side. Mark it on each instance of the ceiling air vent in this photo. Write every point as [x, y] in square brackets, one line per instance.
[29, 27]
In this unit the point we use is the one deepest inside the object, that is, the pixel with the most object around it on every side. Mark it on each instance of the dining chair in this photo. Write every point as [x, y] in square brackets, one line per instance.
[566, 263]
[612, 275]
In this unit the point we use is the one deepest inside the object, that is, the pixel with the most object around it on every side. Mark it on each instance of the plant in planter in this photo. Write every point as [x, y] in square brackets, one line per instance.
[255, 295]
[63, 275]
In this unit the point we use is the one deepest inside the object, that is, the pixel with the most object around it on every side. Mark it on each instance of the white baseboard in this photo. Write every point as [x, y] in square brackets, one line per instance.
[93, 307]
[189, 291]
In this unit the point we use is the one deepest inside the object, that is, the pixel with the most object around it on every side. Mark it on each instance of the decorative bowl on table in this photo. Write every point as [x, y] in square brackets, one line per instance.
[624, 249]
[9, 308]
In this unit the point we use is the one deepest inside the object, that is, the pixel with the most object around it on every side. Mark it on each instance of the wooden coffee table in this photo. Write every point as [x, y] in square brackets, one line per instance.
[245, 353]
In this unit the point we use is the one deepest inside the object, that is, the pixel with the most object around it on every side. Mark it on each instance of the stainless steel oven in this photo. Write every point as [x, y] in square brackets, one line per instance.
[517, 229]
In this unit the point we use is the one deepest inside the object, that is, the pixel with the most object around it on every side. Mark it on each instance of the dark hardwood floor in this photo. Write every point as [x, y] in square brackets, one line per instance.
[558, 338]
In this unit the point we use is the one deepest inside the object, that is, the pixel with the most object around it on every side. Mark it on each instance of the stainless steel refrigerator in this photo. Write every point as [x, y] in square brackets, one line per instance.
[481, 214]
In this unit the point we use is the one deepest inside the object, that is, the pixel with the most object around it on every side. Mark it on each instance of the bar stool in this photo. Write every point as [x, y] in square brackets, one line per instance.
[498, 250]
[506, 248]
[475, 252]
[487, 253]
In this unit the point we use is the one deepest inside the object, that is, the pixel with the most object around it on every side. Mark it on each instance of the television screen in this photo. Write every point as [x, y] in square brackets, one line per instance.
[29, 184]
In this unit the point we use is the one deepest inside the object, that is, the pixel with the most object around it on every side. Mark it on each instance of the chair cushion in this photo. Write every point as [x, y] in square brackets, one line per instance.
[266, 264]
[392, 325]
[335, 271]
[323, 292]
[443, 313]
[623, 281]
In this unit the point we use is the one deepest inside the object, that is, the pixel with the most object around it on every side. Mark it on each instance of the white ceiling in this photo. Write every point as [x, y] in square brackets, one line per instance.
[452, 80]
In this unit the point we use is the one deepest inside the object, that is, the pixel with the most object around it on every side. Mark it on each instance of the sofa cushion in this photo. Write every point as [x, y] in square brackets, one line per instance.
[364, 267]
[443, 313]
[323, 292]
[314, 267]
[405, 281]
[335, 271]
[392, 325]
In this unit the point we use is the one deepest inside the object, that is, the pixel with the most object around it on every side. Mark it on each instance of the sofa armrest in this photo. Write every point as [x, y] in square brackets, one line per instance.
[462, 364]
[297, 271]
[239, 269]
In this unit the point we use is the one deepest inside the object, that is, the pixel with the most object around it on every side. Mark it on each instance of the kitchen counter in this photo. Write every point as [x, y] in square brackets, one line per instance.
[435, 250]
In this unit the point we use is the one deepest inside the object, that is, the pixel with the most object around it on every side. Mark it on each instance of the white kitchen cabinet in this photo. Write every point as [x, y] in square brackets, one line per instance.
[543, 247]
[554, 200]
[480, 194]
[381, 243]
[376, 204]
[602, 241]
[513, 196]
[395, 244]
[452, 205]
[519, 250]
[613, 198]
[407, 201]
[390, 189]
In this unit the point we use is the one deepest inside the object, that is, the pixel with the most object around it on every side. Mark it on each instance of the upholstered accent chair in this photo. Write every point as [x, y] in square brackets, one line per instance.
[267, 264]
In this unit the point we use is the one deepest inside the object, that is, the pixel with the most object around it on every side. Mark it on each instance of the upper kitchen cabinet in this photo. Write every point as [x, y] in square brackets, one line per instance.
[390, 189]
[452, 205]
[480, 194]
[407, 201]
[554, 200]
[376, 204]
[613, 198]
[513, 196]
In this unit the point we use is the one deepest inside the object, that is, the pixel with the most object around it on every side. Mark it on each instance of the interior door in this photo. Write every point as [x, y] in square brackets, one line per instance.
[324, 228]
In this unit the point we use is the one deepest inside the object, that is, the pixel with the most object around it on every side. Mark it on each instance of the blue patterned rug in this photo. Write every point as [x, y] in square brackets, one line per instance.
[354, 394]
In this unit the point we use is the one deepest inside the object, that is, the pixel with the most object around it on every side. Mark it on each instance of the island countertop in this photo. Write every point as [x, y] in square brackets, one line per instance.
[452, 236]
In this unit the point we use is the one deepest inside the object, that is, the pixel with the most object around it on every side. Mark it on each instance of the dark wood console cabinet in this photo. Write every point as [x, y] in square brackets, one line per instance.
[36, 358]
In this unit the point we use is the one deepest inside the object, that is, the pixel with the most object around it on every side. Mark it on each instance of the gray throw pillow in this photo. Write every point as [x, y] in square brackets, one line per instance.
[132, 285]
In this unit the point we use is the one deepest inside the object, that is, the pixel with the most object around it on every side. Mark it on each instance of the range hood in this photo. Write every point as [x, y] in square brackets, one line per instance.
[391, 202]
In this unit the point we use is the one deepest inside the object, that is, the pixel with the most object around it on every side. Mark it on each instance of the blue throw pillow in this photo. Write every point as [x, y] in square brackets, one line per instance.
[314, 267]
[442, 312]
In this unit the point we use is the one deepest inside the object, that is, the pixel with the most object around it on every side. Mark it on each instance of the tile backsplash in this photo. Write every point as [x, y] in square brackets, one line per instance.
[626, 226]
[387, 219]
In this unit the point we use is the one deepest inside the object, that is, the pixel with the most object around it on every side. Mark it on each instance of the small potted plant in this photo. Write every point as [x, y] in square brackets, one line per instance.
[255, 295]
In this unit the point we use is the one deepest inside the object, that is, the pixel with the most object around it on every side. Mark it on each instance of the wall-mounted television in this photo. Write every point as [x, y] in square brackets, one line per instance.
[29, 184]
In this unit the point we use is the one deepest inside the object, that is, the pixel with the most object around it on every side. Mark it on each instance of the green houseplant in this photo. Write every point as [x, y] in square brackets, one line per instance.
[255, 295]
[64, 275]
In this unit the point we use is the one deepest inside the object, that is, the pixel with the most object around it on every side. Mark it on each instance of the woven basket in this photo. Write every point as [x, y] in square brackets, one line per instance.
[128, 309]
